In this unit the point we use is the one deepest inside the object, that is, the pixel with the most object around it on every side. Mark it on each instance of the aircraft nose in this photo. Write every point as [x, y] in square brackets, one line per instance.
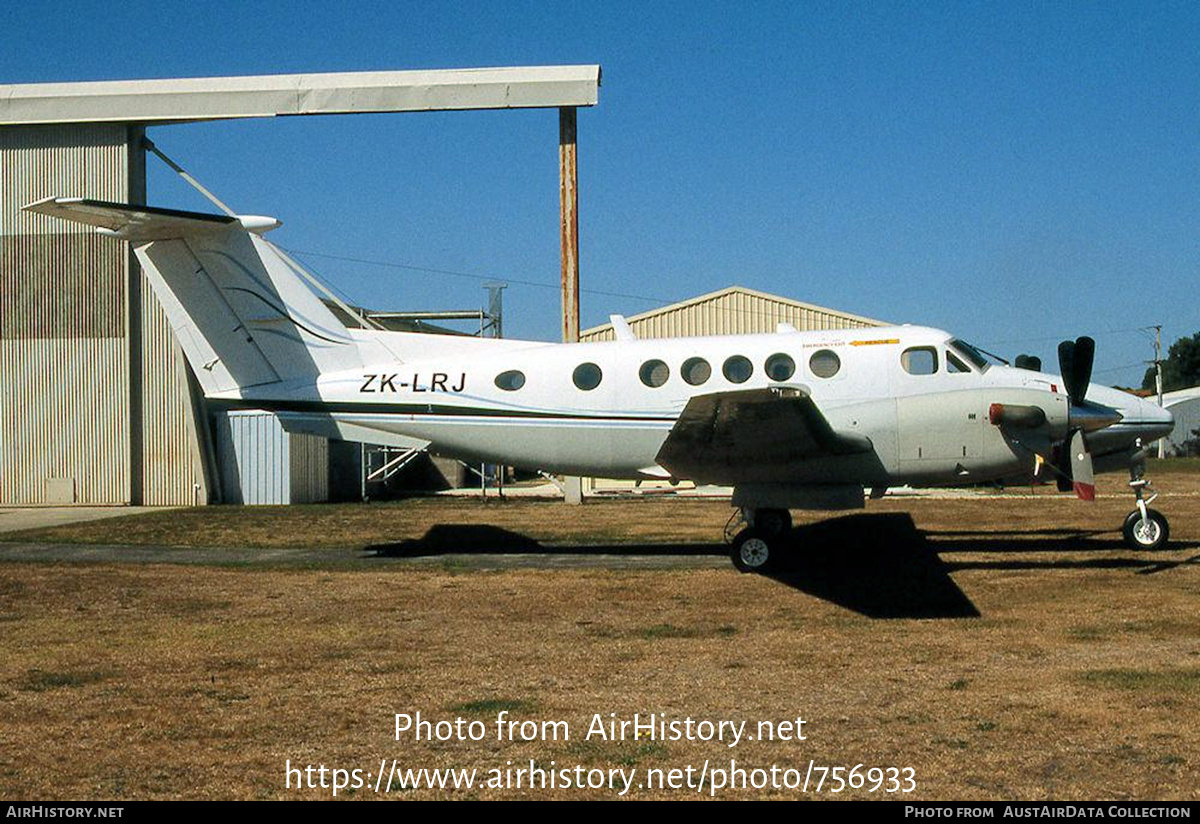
[1156, 421]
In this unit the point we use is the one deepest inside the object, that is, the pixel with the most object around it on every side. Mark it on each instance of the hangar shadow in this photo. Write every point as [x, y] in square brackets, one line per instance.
[483, 539]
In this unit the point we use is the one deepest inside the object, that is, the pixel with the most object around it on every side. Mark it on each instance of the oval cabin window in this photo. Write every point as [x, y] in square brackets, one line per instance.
[654, 373]
[587, 376]
[824, 363]
[737, 369]
[510, 381]
[780, 367]
[696, 371]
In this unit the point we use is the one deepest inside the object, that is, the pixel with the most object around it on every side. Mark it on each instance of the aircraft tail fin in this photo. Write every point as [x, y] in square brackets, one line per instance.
[242, 314]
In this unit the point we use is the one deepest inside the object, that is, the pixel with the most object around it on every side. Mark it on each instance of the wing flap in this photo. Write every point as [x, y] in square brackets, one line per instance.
[727, 436]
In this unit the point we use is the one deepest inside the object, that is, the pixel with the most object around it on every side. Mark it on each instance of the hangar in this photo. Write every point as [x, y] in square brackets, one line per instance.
[96, 403]
[734, 310]
[1185, 406]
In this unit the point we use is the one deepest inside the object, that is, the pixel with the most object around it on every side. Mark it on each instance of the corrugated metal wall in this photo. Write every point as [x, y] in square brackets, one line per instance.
[309, 469]
[173, 430]
[64, 355]
[733, 311]
[262, 464]
[81, 419]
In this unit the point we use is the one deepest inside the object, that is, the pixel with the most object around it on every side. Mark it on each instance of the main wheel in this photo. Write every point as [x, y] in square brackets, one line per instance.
[773, 522]
[1147, 533]
[752, 551]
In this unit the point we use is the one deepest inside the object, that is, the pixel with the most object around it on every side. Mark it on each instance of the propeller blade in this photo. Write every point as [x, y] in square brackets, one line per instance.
[1075, 360]
[1083, 479]
[1085, 356]
[1062, 480]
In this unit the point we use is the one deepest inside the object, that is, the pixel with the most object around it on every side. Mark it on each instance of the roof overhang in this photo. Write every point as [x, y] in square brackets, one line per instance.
[149, 102]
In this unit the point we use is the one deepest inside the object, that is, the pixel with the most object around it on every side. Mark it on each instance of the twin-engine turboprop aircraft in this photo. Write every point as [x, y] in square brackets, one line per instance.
[791, 420]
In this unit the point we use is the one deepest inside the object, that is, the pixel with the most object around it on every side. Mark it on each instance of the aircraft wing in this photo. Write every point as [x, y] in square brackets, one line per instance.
[726, 437]
[135, 223]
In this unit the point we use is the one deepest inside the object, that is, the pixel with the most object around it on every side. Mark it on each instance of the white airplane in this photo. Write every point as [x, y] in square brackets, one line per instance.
[791, 420]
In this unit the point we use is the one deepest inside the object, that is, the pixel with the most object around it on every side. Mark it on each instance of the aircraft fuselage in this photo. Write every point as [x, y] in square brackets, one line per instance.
[605, 408]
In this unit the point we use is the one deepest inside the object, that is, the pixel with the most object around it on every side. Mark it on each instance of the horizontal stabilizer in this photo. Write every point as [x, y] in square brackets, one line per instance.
[144, 223]
[326, 426]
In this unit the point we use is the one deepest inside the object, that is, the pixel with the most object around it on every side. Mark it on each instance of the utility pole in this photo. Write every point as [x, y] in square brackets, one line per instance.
[1162, 442]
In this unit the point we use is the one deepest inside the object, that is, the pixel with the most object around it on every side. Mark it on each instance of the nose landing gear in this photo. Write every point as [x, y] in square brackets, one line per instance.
[1144, 528]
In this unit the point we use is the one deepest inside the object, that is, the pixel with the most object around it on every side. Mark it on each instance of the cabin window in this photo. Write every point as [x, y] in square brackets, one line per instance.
[919, 360]
[654, 373]
[780, 367]
[587, 376]
[737, 369]
[954, 365]
[824, 363]
[696, 371]
[510, 381]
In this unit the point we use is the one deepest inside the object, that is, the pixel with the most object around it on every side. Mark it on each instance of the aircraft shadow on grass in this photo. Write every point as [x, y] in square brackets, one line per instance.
[878, 565]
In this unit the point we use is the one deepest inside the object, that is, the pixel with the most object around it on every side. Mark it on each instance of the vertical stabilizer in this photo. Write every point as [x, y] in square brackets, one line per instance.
[242, 314]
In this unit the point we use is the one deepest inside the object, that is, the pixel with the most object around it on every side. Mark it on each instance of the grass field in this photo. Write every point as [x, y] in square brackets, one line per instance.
[1003, 648]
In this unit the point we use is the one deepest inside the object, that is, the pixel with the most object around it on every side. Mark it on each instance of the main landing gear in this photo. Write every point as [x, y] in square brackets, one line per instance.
[757, 547]
[1144, 528]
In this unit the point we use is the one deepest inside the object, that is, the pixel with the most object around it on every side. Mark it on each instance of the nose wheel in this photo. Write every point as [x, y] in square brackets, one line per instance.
[1148, 531]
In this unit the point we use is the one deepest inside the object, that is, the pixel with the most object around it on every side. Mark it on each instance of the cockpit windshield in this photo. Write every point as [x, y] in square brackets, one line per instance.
[976, 357]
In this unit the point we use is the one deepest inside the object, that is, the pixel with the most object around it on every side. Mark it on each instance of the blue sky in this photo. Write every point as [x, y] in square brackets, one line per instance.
[1015, 172]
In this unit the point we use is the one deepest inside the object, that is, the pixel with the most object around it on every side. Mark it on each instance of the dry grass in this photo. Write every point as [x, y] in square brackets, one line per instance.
[1022, 657]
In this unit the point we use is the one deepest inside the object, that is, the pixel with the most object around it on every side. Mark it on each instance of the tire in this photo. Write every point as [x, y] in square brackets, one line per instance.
[1146, 534]
[753, 551]
[773, 522]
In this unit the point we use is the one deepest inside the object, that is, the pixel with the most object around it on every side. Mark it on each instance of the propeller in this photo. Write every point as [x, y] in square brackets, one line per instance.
[1066, 439]
[1075, 359]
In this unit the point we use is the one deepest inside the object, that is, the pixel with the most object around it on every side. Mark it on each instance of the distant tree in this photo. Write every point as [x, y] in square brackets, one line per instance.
[1181, 369]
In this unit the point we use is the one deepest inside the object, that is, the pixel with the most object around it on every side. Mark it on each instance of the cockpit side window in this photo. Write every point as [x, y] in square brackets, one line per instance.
[972, 354]
[919, 360]
[954, 365]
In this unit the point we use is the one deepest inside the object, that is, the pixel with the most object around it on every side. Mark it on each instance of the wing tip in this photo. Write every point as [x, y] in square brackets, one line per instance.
[53, 199]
